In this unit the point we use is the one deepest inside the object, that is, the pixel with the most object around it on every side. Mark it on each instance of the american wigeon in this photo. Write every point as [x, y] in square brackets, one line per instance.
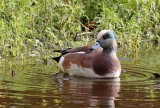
[98, 61]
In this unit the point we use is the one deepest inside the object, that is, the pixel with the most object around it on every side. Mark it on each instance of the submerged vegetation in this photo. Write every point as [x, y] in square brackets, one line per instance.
[36, 27]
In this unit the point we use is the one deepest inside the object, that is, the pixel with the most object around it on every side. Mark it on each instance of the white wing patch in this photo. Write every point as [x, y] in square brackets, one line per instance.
[80, 52]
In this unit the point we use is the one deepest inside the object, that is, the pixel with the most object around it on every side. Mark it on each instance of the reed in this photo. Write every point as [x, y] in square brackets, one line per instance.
[39, 26]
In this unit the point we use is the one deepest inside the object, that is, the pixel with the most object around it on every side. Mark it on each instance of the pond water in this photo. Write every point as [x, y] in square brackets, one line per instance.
[35, 85]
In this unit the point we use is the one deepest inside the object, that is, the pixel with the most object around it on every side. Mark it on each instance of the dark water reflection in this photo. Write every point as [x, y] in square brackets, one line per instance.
[35, 86]
[89, 92]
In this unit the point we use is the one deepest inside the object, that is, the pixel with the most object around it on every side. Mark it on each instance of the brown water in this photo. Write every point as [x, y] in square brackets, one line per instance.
[35, 85]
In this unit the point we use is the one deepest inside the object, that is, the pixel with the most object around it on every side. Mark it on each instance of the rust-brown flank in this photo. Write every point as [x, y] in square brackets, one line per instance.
[82, 60]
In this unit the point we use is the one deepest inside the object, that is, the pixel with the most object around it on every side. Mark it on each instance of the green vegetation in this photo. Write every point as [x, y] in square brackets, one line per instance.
[29, 27]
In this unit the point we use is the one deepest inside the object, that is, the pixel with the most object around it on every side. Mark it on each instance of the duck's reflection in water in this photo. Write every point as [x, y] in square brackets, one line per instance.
[88, 92]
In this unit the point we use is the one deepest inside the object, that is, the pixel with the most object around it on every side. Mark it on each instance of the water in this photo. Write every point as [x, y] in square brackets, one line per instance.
[35, 85]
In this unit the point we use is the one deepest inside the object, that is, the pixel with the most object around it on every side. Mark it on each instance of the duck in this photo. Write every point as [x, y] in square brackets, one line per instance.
[97, 61]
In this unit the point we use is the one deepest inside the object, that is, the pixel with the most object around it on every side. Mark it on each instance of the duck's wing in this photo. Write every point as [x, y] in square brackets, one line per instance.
[85, 49]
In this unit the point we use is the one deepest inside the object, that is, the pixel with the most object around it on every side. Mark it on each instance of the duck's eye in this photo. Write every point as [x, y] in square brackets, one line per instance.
[105, 36]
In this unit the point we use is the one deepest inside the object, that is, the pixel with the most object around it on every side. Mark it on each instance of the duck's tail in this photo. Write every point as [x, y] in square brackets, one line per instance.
[63, 52]
[57, 58]
[59, 51]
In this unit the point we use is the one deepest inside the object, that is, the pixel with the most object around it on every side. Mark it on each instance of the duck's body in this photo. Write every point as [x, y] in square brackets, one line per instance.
[93, 62]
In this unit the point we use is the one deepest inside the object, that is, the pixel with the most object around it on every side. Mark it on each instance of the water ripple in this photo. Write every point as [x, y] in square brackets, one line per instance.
[136, 73]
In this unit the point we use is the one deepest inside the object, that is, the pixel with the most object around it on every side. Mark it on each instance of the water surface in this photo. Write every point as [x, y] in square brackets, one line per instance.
[35, 85]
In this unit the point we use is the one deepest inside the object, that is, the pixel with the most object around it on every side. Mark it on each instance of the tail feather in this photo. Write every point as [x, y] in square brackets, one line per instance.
[57, 51]
[57, 58]
[63, 52]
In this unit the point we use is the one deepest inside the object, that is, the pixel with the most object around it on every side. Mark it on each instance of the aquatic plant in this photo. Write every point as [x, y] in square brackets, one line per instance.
[36, 27]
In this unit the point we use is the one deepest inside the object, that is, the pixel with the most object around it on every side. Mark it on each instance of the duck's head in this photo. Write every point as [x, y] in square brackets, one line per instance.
[107, 40]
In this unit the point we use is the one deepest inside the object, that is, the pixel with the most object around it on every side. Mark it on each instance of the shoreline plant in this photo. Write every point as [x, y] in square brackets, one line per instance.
[36, 27]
